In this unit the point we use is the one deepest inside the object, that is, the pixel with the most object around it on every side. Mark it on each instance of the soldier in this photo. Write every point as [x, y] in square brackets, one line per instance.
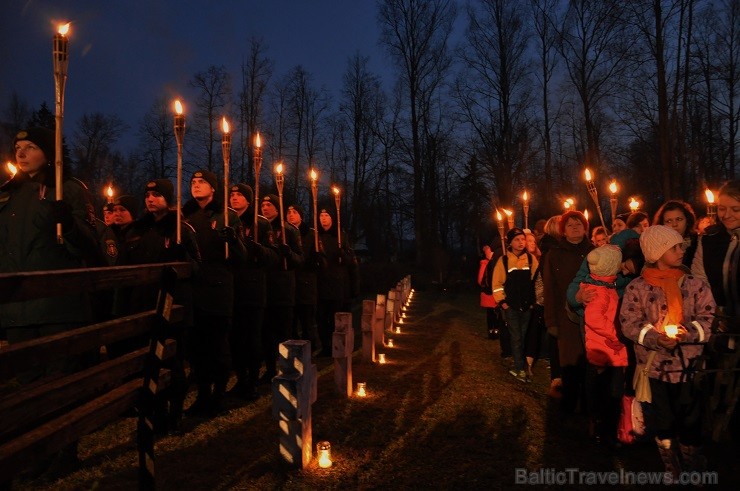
[280, 285]
[125, 210]
[213, 290]
[306, 292]
[250, 294]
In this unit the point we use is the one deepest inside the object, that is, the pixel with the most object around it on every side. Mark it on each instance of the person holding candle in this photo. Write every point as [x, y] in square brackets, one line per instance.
[213, 291]
[665, 295]
[680, 217]
[250, 294]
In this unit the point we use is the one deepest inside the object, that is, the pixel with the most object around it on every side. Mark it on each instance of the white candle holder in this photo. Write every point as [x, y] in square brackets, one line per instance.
[323, 454]
[361, 389]
[381, 358]
[389, 344]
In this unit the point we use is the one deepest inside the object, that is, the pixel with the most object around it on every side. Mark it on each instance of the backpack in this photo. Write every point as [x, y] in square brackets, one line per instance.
[485, 283]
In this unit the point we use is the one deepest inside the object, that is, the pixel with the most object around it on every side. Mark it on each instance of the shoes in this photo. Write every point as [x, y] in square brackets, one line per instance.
[520, 375]
[493, 333]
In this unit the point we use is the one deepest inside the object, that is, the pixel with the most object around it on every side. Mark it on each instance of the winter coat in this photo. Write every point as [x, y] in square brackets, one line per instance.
[603, 347]
[250, 279]
[486, 300]
[306, 281]
[561, 264]
[28, 243]
[509, 286]
[339, 280]
[642, 316]
[281, 277]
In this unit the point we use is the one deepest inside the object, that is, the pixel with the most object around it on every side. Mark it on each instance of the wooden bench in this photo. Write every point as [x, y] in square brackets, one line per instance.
[41, 418]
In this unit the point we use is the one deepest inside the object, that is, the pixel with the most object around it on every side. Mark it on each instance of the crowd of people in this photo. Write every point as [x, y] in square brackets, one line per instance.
[259, 277]
[660, 299]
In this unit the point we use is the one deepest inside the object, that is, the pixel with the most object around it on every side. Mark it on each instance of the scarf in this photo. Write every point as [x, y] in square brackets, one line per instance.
[667, 280]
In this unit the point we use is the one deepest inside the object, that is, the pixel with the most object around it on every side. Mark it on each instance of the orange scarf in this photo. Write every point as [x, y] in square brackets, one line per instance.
[667, 280]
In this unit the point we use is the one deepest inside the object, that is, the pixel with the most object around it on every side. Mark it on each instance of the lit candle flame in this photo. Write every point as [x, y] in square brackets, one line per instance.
[498, 216]
[613, 187]
[335, 190]
[525, 196]
[13, 170]
[585, 214]
[257, 141]
[63, 29]
[361, 392]
[710, 196]
[508, 212]
[314, 175]
[109, 191]
[588, 175]
[324, 450]
[671, 330]
[225, 125]
[178, 107]
[279, 168]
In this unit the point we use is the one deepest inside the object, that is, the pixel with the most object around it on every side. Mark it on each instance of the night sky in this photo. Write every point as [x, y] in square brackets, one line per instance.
[124, 54]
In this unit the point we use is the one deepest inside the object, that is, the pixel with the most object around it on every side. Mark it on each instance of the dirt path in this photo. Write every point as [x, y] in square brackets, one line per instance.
[442, 414]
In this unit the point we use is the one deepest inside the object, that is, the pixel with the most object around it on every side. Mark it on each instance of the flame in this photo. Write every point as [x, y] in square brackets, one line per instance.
[588, 175]
[109, 191]
[178, 107]
[279, 168]
[567, 204]
[63, 29]
[225, 125]
[13, 169]
[498, 216]
[710, 195]
[525, 196]
[335, 190]
[585, 214]
[613, 187]
[634, 204]
[314, 175]
[508, 212]
[257, 141]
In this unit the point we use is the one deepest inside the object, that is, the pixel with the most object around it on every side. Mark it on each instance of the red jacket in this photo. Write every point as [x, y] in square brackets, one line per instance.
[603, 347]
[485, 300]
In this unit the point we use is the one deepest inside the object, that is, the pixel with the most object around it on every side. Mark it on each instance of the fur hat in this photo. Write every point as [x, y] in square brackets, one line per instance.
[128, 202]
[163, 187]
[209, 177]
[43, 138]
[272, 198]
[513, 233]
[657, 240]
[605, 260]
[244, 190]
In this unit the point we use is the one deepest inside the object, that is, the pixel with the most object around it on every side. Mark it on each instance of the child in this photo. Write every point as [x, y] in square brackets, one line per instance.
[667, 295]
[513, 289]
[605, 353]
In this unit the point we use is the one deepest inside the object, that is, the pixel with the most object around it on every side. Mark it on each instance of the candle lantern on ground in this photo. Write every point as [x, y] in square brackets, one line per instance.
[315, 196]
[257, 167]
[613, 198]
[179, 135]
[323, 454]
[525, 206]
[389, 343]
[381, 358]
[60, 53]
[711, 205]
[591, 186]
[226, 152]
[335, 190]
[361, 389]
[500, 220]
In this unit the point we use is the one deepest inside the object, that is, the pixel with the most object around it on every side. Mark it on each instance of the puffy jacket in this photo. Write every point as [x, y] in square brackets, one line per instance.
[603, 347]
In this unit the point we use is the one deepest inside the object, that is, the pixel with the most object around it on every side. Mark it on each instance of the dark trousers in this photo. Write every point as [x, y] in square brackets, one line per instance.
[554, 352]
[518, 321]
[604, 390]
[246, 343]
[325, 320]
[304, 325]
[209, 353]
[536, 344]
[276, 329]
[678, 411]
[574, 386]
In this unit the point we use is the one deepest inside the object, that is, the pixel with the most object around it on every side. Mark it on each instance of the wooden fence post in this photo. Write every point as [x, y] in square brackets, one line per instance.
[293, 392]
[368, 335]
[342, 346]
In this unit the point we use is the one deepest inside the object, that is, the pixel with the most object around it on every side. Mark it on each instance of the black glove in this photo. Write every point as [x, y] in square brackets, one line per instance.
[251, 246]
[61, 212]
[285, 250]
[227, 234]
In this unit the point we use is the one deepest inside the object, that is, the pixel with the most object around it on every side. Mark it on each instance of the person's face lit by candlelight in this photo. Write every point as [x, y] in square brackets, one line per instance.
[325, 220]
[293, 217]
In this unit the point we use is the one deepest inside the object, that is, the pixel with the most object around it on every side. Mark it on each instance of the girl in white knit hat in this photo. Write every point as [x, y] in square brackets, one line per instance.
[668, 312]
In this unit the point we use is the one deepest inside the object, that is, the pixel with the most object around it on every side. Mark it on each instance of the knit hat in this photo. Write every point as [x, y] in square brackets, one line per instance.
[128, 202]
[42, 137]
[605, 260]
[657, 240]
[297, 209]
[209, 177]
[163, 187]
[513, 233]
[272, 198]
[244, 190]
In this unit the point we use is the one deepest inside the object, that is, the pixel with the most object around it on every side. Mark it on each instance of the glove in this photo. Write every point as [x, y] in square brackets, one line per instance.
[251, 245]
[227, 234]
[61, 212]
[285, 250]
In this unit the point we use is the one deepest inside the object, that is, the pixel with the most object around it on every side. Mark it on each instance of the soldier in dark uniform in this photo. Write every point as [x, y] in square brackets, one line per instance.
[250, 294]
[153, 239]
[338, 283]
[213, 290]
[280, 285]
[306, 292]
[125, 211]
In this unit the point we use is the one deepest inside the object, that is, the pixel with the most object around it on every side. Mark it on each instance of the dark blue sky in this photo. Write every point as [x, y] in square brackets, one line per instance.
[125, 53]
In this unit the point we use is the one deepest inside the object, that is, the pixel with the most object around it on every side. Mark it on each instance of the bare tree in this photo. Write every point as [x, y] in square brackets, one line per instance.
[157, 140]
[94, 138]
[416, 35]
[213, 93]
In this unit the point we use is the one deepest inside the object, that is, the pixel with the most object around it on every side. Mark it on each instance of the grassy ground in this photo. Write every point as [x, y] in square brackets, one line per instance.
[443, 413]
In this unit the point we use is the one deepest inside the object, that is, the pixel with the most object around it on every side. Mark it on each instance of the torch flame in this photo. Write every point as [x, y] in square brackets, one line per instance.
[585, 214]
[314, 175]
[634, 204]
[13, 170]
[508, 212]
[257, 141]
[710, 196]
[567, 204]
[588, 175]
[178, 107]
[63, 29]
[279, 168]
[109, 191]
[525, 196]
[225, 125]
[335, 190]
[613, 187]
[498, 216]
